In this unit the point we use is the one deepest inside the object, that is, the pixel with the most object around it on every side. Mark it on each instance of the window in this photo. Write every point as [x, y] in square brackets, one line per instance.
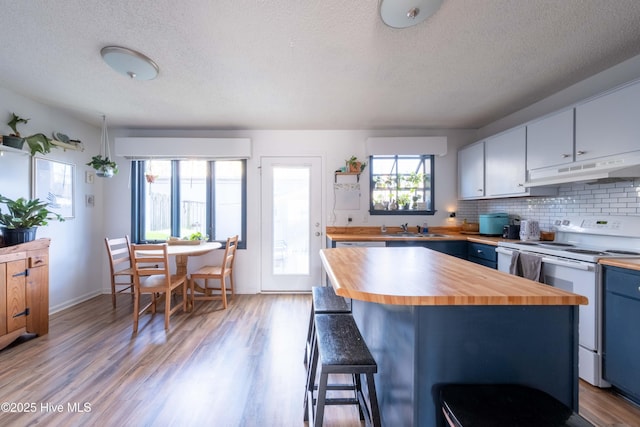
[185, 197]
[401, 185]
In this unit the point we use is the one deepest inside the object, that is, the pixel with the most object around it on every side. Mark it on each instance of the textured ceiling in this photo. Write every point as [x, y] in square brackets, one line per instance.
[309, 64]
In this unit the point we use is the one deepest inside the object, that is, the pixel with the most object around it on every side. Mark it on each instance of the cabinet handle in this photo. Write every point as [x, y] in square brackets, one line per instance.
[580, 152]
[479, 251]
[520, 185]
[23, 313]
[480, 189]
[22, 273]
[564, 156]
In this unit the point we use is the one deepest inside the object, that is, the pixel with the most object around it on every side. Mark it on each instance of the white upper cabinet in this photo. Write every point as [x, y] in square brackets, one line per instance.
[609, 124]
[471, 171]
[496, 168]
[505, 170]
[550, 140]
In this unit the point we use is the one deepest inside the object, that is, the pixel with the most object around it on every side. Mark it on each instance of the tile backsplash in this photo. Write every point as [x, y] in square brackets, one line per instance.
[614, 198]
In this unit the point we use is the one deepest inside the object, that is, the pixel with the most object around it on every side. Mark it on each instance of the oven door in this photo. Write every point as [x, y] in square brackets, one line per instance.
[580, 278]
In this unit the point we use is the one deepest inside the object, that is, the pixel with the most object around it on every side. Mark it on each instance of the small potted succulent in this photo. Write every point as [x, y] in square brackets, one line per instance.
[38, 142]
[104, 166]
[19, 225]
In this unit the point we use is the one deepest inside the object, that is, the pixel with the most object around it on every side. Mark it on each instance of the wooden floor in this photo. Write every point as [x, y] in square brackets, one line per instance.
[239, 367]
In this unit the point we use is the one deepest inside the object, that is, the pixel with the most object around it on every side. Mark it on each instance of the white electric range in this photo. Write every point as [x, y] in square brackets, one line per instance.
[570, 262]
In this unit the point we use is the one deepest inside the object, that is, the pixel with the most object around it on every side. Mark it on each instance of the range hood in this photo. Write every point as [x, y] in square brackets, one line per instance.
[619, 167]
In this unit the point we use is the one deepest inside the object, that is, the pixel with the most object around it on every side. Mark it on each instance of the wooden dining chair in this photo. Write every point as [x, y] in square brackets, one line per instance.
[119, 251]
[216, 272]
[152, 276]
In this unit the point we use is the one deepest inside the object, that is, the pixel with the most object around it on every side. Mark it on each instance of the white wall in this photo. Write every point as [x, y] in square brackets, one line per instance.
[77, 249]
[332, 146]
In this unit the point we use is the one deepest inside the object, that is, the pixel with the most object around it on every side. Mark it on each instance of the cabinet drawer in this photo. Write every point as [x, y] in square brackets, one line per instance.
[622, 282]
[479, 250]
[38, 258]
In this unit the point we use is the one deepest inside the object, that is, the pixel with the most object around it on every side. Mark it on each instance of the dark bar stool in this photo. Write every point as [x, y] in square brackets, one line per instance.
[324, 300]
[504, 405]
[340, 349]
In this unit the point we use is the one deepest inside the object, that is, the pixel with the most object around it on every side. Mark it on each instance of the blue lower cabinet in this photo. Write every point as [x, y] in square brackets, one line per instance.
[621, 358]
[456, 248]
[482, 254]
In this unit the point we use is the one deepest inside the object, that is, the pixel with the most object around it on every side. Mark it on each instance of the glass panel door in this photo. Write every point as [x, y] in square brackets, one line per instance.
[292, 232]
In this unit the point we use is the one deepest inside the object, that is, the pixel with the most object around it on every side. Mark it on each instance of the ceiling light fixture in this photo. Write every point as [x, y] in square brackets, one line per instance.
[130, 63]
[405, 13]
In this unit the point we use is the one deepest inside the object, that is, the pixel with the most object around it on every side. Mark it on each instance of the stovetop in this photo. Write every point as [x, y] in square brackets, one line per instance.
[589, 239]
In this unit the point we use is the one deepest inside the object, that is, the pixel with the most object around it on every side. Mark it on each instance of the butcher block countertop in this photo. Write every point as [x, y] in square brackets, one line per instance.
[630, 263]
[420, 276]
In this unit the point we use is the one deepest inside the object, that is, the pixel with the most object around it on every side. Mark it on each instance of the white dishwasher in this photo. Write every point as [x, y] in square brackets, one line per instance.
[360, 244]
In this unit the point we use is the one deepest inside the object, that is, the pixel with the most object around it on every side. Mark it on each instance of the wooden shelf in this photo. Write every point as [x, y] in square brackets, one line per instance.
[346, 173]
[67, 146]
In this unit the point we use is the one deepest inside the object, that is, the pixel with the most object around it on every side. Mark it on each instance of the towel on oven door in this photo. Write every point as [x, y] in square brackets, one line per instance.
[528, 266]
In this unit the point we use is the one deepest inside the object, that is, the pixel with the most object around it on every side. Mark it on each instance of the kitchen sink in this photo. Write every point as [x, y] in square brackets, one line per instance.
[411, 234]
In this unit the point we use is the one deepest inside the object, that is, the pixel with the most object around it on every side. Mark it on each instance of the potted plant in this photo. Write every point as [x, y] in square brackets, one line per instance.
[38, 142]
[355, 165]
[104, 167]
[20, 224]
[403, 201]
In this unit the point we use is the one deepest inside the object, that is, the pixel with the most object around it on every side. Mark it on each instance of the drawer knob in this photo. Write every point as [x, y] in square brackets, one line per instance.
[480, 251]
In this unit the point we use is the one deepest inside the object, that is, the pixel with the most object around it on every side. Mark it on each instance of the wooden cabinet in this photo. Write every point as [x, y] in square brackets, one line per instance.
[550, 140]
[471, 171]
[609, 124]
[621, 336]
[24, 290]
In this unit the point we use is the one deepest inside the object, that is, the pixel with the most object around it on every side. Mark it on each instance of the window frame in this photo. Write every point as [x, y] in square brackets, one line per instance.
[423, 158]
[138, 201]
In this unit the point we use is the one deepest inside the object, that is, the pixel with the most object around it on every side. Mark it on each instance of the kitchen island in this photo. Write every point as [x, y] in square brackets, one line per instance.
[431, 319]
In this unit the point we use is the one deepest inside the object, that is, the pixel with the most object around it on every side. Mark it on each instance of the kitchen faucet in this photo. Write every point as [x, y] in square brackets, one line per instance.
[405, 227]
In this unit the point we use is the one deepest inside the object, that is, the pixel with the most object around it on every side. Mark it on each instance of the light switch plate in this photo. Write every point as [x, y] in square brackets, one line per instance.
[89, 177]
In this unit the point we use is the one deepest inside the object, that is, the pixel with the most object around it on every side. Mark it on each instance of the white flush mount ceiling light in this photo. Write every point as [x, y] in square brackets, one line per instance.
[405, 13]
[130, 63]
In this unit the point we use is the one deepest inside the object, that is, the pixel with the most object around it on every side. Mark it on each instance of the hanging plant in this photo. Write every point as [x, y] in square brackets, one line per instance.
[102, 163]
[104, 167]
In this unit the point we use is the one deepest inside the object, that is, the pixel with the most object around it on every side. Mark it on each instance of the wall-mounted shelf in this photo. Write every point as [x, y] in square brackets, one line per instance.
[67, 145]
[4, 148]
[357, 174]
